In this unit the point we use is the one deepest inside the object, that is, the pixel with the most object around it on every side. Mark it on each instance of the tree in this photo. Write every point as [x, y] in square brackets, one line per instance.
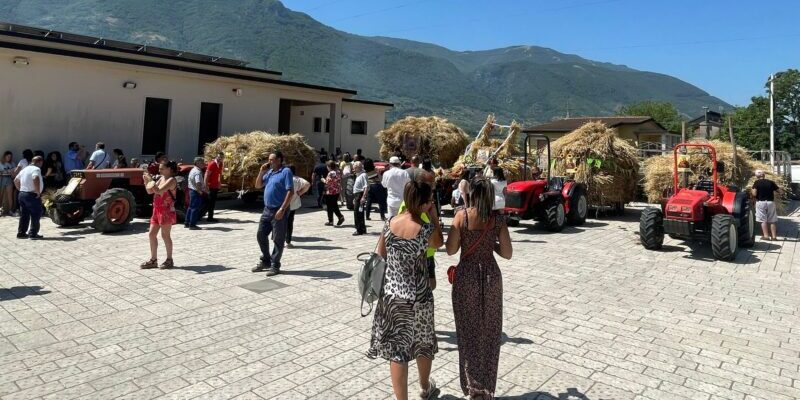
[749, 124]
[787, 111]
[663, 112]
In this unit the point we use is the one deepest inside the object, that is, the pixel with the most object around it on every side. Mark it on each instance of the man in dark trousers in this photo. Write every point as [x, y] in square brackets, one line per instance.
[320, 172]
[764, 192]
[30, 183]
[278, 184]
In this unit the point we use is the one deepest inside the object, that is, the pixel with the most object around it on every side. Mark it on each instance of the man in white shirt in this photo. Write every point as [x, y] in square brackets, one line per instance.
[394, 180]
[99, 159]
[30, 184]
[196, 189]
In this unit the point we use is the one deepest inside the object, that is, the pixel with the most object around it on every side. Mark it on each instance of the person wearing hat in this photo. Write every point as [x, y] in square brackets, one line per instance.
[196, 189]
[394, 180]
[764, 193]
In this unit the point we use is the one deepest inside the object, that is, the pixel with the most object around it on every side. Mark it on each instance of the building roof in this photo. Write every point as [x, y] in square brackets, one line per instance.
[142, 55]
[571, 124]
[714, 118]
[370, 102]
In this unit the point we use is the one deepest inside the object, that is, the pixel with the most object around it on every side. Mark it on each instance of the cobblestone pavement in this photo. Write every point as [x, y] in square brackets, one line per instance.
[588, 314]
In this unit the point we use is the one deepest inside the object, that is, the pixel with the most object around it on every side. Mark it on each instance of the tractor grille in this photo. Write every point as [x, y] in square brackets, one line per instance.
[63, 198]
[515, 200]
[674, 227]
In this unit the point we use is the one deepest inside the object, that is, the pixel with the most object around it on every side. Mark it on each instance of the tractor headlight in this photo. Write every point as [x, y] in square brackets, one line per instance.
[542, 197]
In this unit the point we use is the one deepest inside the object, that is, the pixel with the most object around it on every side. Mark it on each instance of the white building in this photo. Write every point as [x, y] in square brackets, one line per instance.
[56, 88]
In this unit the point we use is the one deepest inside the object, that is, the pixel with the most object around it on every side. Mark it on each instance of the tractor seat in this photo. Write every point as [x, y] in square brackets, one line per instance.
[706, 185]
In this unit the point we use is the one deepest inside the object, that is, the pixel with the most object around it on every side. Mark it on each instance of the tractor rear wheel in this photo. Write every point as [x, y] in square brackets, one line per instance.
[651, 228]
[578, 207]
[724, 237]
[555, 217]
[113, 210]
[747, 228]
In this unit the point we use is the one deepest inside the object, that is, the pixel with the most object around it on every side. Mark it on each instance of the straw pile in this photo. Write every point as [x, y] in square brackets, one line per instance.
[246, 152]
[507, 151]
[436, 138]
[605, 163]
[658, 170]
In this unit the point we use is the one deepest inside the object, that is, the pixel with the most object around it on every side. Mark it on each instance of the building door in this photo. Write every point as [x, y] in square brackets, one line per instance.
[209, 125]
[156, 125]
[285, 116]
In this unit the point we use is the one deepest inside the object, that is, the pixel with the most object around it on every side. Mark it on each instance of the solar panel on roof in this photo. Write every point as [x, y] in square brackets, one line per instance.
[77, 38]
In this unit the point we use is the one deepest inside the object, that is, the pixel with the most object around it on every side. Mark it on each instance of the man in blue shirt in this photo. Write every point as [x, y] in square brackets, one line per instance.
[278, 185]
[74, 158]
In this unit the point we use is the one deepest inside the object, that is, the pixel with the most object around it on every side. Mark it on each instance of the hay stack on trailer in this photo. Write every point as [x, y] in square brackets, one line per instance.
[428, 137]
[506, 151]
[595, 156]
[246, 152]
[658, 170]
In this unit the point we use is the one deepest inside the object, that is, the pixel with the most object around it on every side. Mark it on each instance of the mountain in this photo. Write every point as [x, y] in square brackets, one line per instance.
[528, 83]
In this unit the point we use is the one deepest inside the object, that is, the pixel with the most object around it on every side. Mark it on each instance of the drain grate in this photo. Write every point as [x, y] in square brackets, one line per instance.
[262, 286]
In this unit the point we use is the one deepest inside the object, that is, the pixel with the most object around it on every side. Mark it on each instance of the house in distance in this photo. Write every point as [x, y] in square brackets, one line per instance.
[58, 87]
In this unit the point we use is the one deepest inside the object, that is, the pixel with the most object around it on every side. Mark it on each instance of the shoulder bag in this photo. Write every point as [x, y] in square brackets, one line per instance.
[370, 278]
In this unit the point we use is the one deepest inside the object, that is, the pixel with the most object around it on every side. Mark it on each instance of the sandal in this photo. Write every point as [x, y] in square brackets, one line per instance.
[152, 263]
[167, 264]
[431, 392]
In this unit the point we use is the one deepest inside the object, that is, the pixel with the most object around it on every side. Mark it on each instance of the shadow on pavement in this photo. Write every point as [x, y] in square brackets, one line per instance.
[450, 338]
[316, 247]
[60, 238]
[18, 292]
[568, 394]
[220, 229]
[306, 239]
[315, 274]
[204, 269]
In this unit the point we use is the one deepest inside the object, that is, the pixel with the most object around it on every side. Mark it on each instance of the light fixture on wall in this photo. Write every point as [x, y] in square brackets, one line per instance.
[345, 116]
[302, 112]
[21, 61]
[129, 85]
[238, 92]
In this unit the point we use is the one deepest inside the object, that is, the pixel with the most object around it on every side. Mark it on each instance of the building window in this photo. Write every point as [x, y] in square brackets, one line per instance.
[327, 125]
[317, 125]
[156, 125]
[209, 125]
[358, 127]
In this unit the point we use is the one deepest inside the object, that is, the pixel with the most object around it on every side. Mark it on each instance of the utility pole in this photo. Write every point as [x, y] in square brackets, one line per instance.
[733, 143]
[705, 113]
[683, 131]
[772, 120]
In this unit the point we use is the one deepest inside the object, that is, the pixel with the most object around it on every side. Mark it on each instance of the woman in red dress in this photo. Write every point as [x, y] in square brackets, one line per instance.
[163, 190]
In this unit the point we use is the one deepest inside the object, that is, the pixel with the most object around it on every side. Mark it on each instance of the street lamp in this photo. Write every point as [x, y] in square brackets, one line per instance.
[771, 121]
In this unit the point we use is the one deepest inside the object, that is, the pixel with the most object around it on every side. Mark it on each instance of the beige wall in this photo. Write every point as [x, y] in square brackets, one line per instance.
[57, 99]
[375, 116]
[303, 121]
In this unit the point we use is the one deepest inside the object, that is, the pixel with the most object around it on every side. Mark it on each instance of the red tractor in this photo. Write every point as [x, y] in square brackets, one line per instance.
[554, 201]
[112, 197]
[705, 211]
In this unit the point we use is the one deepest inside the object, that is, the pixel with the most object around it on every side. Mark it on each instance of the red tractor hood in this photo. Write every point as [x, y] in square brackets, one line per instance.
[527, 186]
[687, 204]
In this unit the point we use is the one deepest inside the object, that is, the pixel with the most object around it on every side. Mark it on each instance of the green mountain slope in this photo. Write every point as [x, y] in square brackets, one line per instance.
[528, 83]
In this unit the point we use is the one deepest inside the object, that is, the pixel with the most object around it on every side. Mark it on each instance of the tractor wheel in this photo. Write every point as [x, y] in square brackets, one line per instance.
[66, 219]
[250, 198]
[113, 210]
[747, 228]
[555, 216]
[651, 228]
[578, 207]
[512, 220]
[724, 237]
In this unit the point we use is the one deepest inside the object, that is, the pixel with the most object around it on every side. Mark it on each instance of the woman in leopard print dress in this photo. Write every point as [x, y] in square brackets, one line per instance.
[402, 329]
[478, 289]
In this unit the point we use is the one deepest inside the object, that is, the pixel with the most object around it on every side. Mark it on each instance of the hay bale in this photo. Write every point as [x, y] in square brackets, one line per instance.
[658, 170]
[246, 152]
[435, 138]
[605, 163]
[507, 151]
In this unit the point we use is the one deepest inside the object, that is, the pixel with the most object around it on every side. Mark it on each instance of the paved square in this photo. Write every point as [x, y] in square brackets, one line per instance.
[588, 314]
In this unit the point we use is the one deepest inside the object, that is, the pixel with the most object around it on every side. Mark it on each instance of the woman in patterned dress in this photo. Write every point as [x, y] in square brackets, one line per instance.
[163, 191]
[478, 289]
[402, 329]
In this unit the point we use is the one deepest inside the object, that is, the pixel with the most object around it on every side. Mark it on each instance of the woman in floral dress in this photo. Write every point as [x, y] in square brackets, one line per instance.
[403, 329]
[478, 289]
[163, 190]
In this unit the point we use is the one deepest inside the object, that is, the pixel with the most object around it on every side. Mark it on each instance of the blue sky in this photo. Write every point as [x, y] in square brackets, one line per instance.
[727, 48]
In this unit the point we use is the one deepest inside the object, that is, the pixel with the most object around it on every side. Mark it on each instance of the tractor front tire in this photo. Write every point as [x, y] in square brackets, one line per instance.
[64, 219]
[578, 207]
[724, 237]
[113, 210]
[747, 228]
[651, 228]
[555, 217]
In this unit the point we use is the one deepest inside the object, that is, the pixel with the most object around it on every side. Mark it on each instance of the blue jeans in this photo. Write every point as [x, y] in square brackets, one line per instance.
[268, 224]
[193, 212]
[30, 212]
